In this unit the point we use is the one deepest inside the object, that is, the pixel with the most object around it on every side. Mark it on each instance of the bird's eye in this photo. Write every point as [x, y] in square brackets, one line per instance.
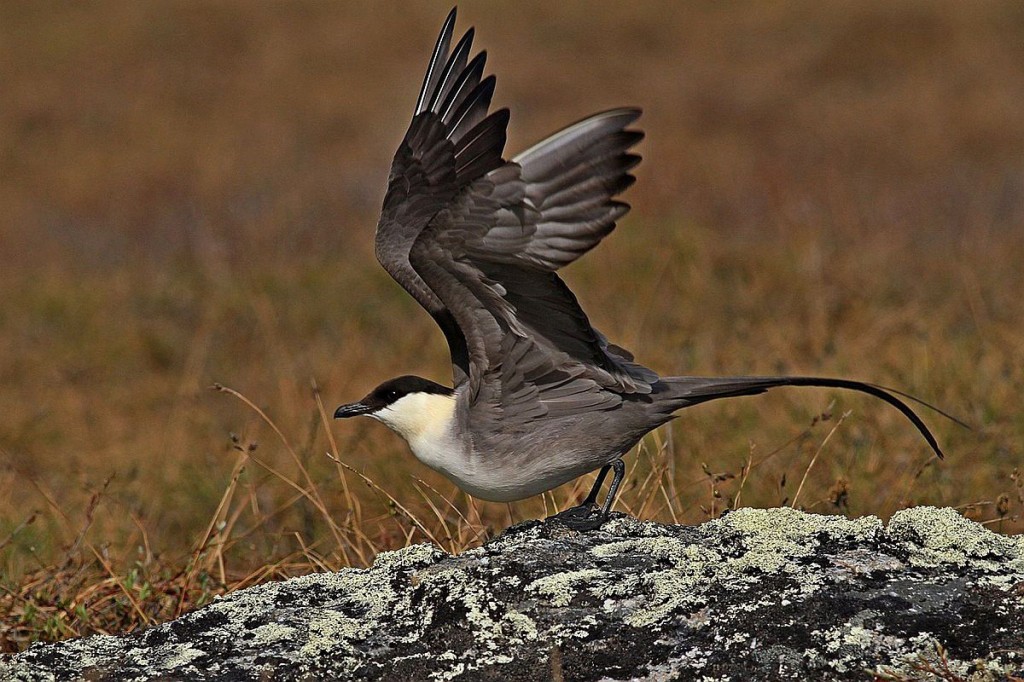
[391, 395]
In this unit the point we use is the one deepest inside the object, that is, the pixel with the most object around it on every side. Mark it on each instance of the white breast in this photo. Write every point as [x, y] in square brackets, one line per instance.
[427, 422]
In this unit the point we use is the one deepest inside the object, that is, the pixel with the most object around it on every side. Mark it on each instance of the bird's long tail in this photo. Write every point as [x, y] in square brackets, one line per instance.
[686, 391]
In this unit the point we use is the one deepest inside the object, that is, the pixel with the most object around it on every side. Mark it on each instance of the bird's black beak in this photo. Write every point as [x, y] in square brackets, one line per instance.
[352, 410]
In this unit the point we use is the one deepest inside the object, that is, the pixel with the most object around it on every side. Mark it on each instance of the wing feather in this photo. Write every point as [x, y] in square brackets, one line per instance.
[476, 240]
[450, 143]
[437, 61]
[463, 88]
[473, 110]
[565, 200]
[479, 150]
[453, 71]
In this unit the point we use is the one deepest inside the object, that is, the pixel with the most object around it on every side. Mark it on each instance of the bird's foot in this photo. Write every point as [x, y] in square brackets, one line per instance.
[582, 518]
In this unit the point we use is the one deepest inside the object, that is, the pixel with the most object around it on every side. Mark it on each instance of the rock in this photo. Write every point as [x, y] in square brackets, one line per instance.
[757, 594]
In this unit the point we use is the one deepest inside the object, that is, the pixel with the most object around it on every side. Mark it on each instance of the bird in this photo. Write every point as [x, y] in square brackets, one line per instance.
[539, 397]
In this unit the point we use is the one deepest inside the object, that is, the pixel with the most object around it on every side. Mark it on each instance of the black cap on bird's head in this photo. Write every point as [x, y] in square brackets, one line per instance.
[389, 392]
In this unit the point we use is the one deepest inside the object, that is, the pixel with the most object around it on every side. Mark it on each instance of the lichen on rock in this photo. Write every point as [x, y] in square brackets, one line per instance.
[756, 594]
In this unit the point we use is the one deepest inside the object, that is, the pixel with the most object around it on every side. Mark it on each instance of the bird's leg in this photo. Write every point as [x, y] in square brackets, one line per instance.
[587, 515]
[613, 489]
[592, 496]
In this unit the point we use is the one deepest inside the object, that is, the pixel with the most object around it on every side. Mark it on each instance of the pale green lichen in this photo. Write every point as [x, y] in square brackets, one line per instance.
[271, 633]
[523, 625]
[329, 630]
[369, 591]
[560, 588]
[670, 592]
[629, 526]
[943, 536]
[413, 556]
[495, 627]
[923, 652]
[772, 545]
[858, 636]
[682, 587]
[674, 551]
[848, 645]
[774, 538]
[165, 655]
[582, 627]
[93, 651]
[618, 587]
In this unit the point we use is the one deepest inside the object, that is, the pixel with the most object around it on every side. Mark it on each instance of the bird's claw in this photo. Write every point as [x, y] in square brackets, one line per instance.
[585, 517]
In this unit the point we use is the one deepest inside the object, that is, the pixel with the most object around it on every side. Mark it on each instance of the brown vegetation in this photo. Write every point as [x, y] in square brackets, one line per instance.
[189, 193]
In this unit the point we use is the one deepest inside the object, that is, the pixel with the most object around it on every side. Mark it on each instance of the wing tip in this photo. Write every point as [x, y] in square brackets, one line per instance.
[437, 58]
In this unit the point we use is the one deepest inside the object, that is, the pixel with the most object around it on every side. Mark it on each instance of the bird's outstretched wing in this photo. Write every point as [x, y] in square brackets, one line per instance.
[449, 128]
[477, 240]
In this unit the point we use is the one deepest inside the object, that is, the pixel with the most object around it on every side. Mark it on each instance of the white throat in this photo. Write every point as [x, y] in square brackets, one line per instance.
[426, 421]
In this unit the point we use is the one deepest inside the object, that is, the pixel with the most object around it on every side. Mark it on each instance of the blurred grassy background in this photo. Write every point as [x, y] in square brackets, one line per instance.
[189, 193]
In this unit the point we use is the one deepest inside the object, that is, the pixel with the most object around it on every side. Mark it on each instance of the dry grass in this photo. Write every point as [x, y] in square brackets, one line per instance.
[189, 193]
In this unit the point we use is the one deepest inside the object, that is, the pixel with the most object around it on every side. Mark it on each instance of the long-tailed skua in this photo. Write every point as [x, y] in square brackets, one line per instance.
[539, 396]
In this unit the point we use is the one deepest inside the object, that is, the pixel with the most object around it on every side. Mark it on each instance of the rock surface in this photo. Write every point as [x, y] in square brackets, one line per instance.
[757, 594]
